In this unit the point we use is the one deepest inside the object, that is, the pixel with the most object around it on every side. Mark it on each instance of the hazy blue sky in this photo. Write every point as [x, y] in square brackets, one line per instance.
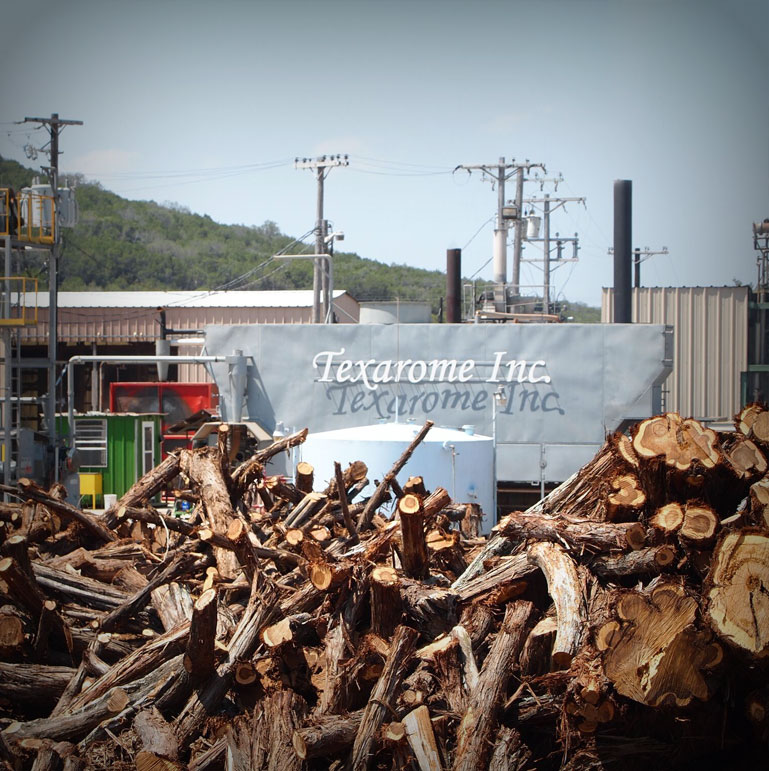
[207, 104]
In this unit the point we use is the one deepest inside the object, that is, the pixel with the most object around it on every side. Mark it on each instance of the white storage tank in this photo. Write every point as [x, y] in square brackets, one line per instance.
[460, 461]
[395, 312]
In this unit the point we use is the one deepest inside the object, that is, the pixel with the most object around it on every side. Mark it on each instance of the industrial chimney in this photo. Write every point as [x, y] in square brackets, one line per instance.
[453, 286]
[623, 251]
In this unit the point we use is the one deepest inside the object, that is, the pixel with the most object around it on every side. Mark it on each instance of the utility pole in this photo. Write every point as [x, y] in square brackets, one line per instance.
[55, 126]
[320, 278]
[499, 174]
[639, 256]
[549, 205]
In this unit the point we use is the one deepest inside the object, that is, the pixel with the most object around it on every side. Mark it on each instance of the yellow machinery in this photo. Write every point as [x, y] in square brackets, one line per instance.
[91, 484]
[20, 310]
[29, 217]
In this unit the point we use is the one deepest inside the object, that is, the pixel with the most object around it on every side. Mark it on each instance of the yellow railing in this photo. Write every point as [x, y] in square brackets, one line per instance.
[27, 216]
[18, 301]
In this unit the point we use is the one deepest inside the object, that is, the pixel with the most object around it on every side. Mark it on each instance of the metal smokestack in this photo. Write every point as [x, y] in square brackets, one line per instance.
[623, 251]
[453, 286]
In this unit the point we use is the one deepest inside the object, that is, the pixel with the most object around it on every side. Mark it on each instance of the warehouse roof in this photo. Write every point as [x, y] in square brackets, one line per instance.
[301, 298]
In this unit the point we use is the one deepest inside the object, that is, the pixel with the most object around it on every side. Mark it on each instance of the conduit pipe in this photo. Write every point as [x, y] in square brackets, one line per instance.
[85, 359]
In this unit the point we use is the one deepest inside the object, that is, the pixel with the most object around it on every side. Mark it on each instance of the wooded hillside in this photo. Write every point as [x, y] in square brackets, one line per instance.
[120, 244]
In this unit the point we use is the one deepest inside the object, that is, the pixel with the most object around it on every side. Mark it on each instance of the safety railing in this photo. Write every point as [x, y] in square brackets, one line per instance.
[18, 301]
[28, 217]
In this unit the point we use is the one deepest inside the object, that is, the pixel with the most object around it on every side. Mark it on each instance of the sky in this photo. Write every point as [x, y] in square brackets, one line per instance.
[207, 105]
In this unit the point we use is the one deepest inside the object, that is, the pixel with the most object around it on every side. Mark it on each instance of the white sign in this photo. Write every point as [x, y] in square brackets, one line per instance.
[372, 373]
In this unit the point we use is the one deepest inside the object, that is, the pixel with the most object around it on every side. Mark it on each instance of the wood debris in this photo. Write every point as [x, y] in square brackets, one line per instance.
[622, 621]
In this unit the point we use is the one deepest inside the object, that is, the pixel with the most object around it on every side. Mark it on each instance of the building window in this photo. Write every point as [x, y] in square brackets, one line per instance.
[91, 442]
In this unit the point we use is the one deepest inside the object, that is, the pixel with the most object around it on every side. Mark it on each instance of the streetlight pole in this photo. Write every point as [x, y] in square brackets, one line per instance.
[499, 397]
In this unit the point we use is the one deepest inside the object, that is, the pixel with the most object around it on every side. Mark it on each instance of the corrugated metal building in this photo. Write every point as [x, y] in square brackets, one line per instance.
[129, 323]
[711, 343]
[118, 318]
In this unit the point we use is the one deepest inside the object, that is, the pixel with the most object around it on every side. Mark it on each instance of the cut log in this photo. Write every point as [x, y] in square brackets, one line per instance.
[386, 606]
[564, 587]
[538, 649]
[304, 476]
[297, 629]
[579, 535]
[655, 654]
[378, 497]
[199, 657]
[676, 441]
[173, 604]
[738, 591]
[204, 467]
[745, 460]
[421, 739]
[145, 488]
[382, 697]
[325, 576]
[12, 623]
[699, 527]
[626, 500]
[33, 683]
[238, 533]
[412, 521]
[668, 518]
[326, 736]
[474, 735]
[746, 417]
[415, 485]
[649, 561]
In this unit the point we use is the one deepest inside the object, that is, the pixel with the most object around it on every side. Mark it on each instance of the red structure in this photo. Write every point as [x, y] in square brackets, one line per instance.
[175, 401]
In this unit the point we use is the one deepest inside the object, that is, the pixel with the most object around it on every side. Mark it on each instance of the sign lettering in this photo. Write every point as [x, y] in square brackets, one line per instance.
[333, 368]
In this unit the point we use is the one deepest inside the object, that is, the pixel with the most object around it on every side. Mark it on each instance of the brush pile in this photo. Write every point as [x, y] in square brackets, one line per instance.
[623, 620]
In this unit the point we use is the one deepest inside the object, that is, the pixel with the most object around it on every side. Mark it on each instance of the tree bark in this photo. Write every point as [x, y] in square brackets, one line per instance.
[480, 720]
[260, 612]
[386, 607]
[204, 468]
[412, 520]
[327, 736]
[145, 488]
[381, 700]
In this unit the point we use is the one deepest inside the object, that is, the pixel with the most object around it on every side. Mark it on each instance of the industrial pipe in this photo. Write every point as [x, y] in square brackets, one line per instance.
[85, 359]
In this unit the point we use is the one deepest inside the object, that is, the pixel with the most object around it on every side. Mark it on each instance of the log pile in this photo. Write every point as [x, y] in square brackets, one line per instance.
[623, 621]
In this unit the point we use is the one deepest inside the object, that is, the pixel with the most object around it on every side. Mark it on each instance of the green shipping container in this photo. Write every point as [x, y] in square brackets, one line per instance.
[122, 448]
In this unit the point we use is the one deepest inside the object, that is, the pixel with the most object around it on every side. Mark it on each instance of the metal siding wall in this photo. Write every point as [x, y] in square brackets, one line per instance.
[710, 343]
[111, 326]
[121, 441]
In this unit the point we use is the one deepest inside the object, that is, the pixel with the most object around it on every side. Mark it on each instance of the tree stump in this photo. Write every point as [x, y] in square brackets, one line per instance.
[738, 591]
